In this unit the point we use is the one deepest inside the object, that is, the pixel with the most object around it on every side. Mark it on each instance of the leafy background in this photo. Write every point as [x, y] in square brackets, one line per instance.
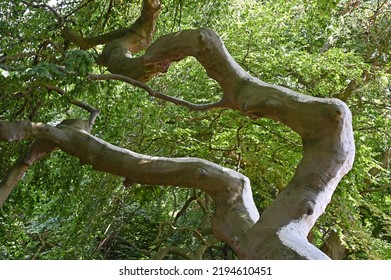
[63, 210]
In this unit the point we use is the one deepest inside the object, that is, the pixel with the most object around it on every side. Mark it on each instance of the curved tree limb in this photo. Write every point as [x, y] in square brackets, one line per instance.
[323, 124]
[230, 189]
[124, 41]
[38, 149]
[87, 43]
[157, 94]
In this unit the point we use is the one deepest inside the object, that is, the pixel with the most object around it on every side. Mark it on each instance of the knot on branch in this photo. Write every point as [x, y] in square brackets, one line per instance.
[201, 173]
[338, 112]
[306, 207]
[259, 107]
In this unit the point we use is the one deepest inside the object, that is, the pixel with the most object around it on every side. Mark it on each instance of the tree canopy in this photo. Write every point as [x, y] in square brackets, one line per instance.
[64, 209]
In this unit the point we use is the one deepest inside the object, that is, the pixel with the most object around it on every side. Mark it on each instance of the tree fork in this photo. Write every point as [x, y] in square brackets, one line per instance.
[38, 149]
[323, 124]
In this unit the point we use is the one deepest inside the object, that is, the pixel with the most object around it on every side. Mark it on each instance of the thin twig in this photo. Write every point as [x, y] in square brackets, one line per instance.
[157, 94]
[44, 6]
[379, 189]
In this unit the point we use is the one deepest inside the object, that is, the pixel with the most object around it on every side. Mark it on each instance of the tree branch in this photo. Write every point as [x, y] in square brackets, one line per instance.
[107, 16]
[81, 6]
[157, 94]
[56, 89]
[325, 127]
[39, 6]
[195, 254]
[37, 150]
[87, 43]
[379, 189]
[129, 40]
[385, 160]
[230, 190]
[184, 207]
[184, 253]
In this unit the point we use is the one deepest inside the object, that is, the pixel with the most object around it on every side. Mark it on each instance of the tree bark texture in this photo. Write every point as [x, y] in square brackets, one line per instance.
[325, 126]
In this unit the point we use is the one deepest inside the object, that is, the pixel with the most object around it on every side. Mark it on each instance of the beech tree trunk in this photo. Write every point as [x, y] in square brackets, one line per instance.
[325, 126]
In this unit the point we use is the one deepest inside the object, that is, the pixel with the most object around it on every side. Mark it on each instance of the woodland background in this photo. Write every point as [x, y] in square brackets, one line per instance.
[62, 210]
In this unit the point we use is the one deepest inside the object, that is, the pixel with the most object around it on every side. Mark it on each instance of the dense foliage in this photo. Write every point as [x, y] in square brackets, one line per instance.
[63, 210]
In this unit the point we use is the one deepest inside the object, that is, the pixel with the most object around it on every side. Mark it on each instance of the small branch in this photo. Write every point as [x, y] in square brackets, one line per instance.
[186, 254]
[184, 208]
[107, 16]
[84, 106]
[82, 5]
[157, 94]
[44, 6]
[346, 93]
[87, 43]
[56, 89]
[57, 47]
[385, 160]
[196, 232]
[249, 44]
[93, 112]
[379, 189]
[196, 254]
[200, 250]
[37, 150]
[179, 7]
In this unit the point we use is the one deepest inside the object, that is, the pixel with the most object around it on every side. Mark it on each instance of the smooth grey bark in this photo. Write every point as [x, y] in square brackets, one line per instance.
[323, 124]
[230, 189]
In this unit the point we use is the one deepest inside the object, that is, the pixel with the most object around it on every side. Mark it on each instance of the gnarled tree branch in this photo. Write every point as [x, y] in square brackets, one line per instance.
[123, 41]
[323, 124]
[38, 149]
[87, 43]
[230, 189]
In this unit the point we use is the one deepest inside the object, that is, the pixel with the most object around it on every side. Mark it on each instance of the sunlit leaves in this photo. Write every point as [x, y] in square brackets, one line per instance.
[319, 48]
[79, 62]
